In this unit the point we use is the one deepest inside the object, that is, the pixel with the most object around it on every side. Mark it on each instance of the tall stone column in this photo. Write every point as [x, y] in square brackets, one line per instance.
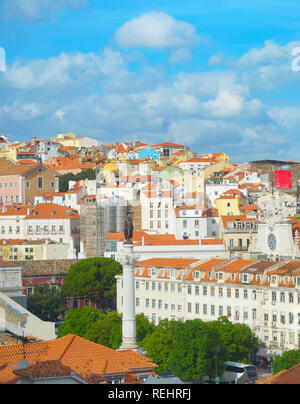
[128, 261]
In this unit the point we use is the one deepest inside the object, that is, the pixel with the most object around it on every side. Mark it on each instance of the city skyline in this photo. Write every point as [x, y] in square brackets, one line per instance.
[212, 76]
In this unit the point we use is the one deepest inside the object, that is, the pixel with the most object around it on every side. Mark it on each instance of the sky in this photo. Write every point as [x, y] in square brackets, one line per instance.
[216, 75]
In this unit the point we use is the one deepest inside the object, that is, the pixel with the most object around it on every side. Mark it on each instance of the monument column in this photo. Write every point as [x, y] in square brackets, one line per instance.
[129, 323]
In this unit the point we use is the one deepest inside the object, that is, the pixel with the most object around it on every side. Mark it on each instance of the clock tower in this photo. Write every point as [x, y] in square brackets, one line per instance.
[274, 238]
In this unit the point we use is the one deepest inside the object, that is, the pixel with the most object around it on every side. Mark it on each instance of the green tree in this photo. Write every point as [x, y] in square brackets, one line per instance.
[286, 361]
[64, 181]
[194, 354]
[79, 321]
[238, 339]
[160, 344]
[93, 278]
[47, 304]
[84, 175]
[101, 330]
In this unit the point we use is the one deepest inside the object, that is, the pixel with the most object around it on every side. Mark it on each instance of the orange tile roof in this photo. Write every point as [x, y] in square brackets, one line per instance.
[235, 266]
[167, 262]
[82, 356]
[15, 210]
[52, 211]
[287, 376]
[211, 241]
[209, 265]
[286, 268]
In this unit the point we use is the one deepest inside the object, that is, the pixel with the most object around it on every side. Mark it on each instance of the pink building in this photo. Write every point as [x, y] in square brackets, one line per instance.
[56, 222]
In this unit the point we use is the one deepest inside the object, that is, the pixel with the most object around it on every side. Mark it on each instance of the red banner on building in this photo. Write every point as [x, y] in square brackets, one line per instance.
[283, 179]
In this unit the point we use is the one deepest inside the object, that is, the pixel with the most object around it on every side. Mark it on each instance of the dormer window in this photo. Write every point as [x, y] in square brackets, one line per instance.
[273, 279]
[245, 277]
[232, 277]
[258, 278]
[153, 271]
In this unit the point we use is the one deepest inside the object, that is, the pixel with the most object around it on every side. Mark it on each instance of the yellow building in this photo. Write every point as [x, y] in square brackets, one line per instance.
[230, 202]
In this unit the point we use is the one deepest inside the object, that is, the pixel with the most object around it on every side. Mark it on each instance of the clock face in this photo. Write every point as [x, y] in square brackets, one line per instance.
[272, 241]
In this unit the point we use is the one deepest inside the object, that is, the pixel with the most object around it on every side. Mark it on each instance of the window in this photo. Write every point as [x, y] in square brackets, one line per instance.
[205, 309]
[189, 307]
[189, 289]
[204, 290]
[40, 182]
[212, 310]
[237, 293]
[282, 297]
[245, 294]
[212, 291]
[228, 292]
[220, 311]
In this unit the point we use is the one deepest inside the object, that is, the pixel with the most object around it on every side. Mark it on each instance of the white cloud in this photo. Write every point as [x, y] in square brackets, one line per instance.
[96, 95]
[156, 30]
[226, 104]
[76, 68]
[37, 9]
[180, 55]
[215, 60]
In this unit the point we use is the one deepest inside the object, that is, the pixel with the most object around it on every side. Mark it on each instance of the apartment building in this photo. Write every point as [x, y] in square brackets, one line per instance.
[56, 222]
[20, 183]
[195, 222]
[11, 221]
[265, 295]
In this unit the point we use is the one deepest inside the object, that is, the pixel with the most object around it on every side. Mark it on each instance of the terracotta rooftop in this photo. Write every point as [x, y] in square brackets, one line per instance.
[210, 264]
[81, 356]
[167, 262]
[52, 211]
[289, 376]
[235, 266]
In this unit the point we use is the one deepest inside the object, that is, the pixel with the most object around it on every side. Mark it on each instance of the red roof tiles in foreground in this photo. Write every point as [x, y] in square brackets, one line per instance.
[81, 356]
[289, 376]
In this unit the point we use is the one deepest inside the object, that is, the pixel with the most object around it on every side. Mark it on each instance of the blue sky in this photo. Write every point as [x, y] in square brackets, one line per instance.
[216, 74]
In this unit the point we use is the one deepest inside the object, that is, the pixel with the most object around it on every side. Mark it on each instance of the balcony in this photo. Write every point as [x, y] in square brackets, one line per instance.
[237, 248]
